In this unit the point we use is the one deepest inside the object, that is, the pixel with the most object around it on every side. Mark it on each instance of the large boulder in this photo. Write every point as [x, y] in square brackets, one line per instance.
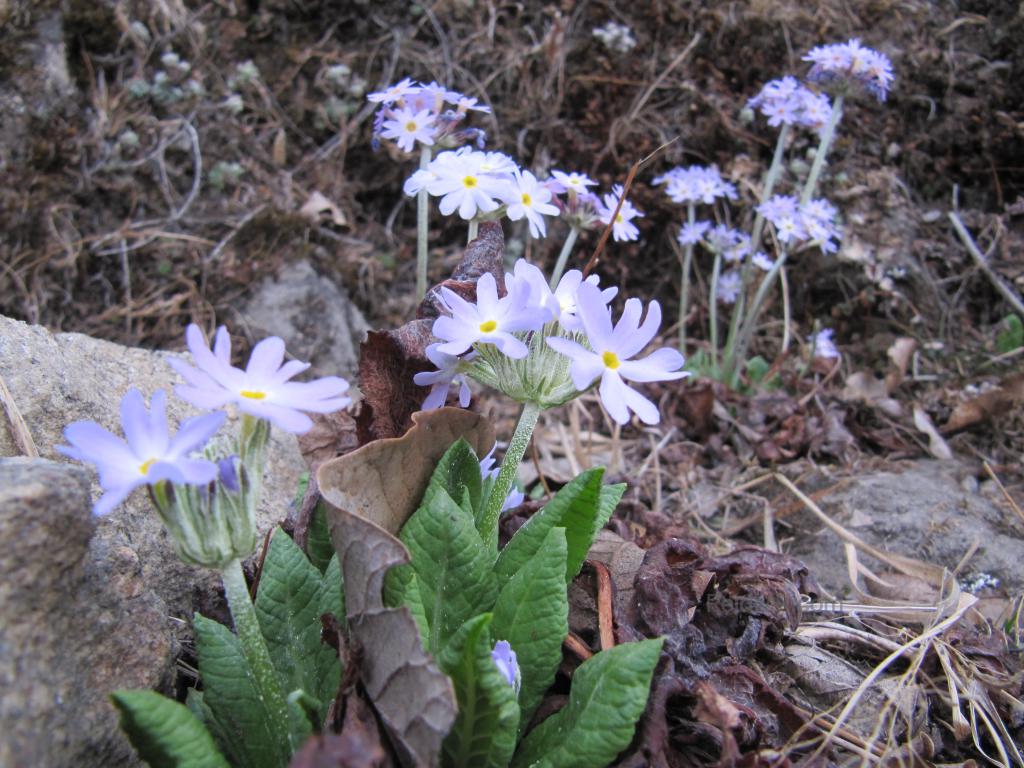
[76, 622]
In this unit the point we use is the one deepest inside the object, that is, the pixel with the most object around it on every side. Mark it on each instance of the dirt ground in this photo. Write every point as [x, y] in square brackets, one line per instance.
[157, 156]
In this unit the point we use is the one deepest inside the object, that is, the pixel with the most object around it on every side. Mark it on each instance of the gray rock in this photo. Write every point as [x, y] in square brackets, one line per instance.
[76, 622]
[56, 379]
[314, 316]
[923, 512]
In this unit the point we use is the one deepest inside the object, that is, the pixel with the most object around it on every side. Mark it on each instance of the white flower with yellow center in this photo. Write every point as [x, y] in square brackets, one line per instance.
[611, 348]
[263, 389]
[464, 184]
[527, 197]
[407, 127]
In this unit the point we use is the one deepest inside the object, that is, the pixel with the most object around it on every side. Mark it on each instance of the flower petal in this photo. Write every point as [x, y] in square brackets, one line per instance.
[661, 365]
[612, 396]
[265, 359]
[193, 433]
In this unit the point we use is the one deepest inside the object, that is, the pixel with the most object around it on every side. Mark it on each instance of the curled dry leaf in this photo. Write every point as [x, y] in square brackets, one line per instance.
[372, 492]
[319, 206]
[388, 360]
[936, 445]
[987, 406]
[484, 254]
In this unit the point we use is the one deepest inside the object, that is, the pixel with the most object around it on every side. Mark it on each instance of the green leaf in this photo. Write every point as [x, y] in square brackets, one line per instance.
[582, 507]
[1012, 335]
[332, 595]
[452, 565]
[165, 733]
[402, 587]
[532, 613]
[239, 719]
[319, 547]
[288, 608]
[484, 735]
[458, 475]
[609, 693]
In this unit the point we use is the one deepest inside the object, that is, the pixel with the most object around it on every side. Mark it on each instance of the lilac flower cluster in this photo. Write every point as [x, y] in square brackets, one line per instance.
[150, 455]
[851, 62]
[530, 321]
[478, 184]
[696, 184]
[788, 102]
[813, 221]
[430, 114]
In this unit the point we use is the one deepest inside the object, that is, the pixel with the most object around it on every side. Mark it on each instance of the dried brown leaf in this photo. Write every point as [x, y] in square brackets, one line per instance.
[388, 360]
[372, 492]
[384, 480]
[357, 746]
[987, 406]
[484, 254]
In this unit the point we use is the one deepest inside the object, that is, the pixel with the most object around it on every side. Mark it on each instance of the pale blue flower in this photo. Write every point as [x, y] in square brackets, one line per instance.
[149, 454]
[263, 389]
[610, 351]
[505, 659]
[450, 370]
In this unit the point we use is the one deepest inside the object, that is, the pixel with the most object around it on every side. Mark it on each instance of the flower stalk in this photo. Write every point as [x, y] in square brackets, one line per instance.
[422, 227]
[684, 282]
[254, 648]
[563, 256]
[823, 147]
[509, 466]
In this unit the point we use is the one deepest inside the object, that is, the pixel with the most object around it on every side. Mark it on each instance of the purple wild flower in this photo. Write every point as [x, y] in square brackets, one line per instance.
[822, 344]
[148, 455]
[693, 233]
[505, 659]
[623, 228]
[611, 348]
[449, 371]
[852, 62]
[263, 389]
[491, 320]
[488, 471]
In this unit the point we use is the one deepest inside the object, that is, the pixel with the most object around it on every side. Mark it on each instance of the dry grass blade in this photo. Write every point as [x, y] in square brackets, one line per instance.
[19, 429]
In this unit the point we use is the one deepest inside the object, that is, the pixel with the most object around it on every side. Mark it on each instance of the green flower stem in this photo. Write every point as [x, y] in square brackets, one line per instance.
[253, 435]
[507, 475]
[716, 270]
[563, 256]
[684, 281]
[729, 361]
[747, 329]
[474, 225]
[823, 146]
[255, 650]
[422, 227]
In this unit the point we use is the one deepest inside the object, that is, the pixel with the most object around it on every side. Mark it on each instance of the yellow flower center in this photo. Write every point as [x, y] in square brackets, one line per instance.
[611, 360]
[619, 219]
[488, 326]
[252, 394]
[469, 182]
[527, 199]
[144, 466]
[411, 127]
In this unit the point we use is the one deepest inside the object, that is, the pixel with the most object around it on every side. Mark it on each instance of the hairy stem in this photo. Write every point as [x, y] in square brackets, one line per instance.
[729, 361]
[716, 270]
[750, 322]
[684, 281]
[823, 146]
[563, 256]
[255, 650]
[422, 226]
[509, 466]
